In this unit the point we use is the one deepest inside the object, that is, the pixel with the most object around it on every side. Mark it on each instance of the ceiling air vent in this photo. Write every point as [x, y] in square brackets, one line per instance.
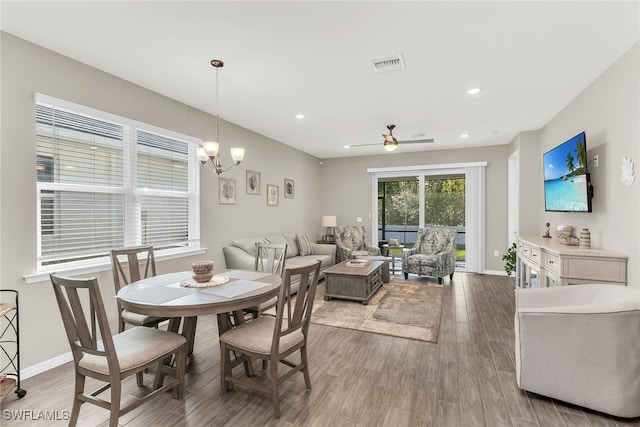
[391, 63]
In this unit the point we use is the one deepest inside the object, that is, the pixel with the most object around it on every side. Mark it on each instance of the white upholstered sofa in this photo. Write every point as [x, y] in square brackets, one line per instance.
[581, 344]
[241, 253]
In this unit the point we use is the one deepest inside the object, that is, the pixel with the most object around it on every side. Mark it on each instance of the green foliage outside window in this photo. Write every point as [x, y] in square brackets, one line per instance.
[444, 202]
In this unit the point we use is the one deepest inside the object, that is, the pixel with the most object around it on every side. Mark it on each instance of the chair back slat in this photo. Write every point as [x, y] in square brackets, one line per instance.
[74, 311]
[298, 314]
[270, 257]
[134, 257]
[126, 266]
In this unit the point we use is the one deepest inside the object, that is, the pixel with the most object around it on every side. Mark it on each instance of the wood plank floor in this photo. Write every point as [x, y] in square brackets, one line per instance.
[358, 379]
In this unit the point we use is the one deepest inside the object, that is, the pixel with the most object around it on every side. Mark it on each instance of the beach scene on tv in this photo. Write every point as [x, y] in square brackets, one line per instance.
[565, 179]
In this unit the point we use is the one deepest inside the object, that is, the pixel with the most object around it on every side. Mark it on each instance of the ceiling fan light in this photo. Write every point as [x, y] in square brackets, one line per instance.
[390, 145]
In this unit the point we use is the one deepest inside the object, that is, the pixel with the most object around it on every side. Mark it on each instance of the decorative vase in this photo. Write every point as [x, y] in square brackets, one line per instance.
[203, 271]
[585, 239]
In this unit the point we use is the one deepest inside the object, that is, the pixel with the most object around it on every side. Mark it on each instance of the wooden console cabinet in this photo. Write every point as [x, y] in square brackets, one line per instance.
[544, 262]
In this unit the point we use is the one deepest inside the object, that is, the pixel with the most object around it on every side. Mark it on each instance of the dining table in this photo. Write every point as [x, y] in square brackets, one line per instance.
[179, 297]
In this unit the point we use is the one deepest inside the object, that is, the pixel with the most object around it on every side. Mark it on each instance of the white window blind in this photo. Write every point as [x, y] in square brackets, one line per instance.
[105, 182]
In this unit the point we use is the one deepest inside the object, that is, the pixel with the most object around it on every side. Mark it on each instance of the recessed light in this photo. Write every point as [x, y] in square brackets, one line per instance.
[347, 146]
[464, 135]
[474, 91]
[299, 116]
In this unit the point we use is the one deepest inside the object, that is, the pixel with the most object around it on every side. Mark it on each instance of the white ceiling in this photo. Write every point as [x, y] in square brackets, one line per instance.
[282, 58]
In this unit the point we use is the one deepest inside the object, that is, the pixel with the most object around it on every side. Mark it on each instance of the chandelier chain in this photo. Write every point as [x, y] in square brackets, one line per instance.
[217, 108]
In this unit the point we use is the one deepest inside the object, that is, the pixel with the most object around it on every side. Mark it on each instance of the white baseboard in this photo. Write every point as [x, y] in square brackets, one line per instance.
[495, 272]
[489, 272]
[41, 367]
[45, 366]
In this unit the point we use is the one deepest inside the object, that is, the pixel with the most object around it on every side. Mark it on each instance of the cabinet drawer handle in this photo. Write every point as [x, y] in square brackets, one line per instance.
[551, 262]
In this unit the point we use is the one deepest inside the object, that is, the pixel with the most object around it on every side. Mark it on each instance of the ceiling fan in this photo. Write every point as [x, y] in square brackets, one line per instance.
[391, 143]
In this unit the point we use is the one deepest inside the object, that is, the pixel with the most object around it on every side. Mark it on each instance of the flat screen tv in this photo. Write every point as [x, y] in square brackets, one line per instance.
[567, 185]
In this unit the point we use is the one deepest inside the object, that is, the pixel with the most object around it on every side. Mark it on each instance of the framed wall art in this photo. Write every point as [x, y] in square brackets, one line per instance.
[253, 182]
[227, 191]
[289, 188]
[272, 195]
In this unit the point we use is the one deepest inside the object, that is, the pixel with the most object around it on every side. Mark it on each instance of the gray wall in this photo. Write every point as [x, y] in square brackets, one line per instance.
[530, 173]
[346, 188]
[26, 69]
[608, 111]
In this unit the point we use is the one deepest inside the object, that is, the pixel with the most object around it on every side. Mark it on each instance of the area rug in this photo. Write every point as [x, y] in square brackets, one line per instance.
[401, 308]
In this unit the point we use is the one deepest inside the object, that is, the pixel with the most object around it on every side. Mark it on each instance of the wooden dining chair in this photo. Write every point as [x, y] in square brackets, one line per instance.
[274, 338]
[270, 258]
[129, 265]
[98, 354]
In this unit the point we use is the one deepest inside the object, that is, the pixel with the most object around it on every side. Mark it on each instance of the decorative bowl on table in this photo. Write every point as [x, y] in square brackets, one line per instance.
[203, 271]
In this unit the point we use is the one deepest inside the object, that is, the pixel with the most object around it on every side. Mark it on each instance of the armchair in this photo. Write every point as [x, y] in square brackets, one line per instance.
[351, 240]
[580, 344]
[434, 254]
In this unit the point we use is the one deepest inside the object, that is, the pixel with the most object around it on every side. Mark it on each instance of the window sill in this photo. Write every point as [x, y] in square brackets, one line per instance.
[43, 275]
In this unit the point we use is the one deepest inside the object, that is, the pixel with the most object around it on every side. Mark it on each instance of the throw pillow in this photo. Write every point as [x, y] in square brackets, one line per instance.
[304, 244]
[263, 251]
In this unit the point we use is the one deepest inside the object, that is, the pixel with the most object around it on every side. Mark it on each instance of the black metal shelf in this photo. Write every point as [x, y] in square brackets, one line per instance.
[10, 344]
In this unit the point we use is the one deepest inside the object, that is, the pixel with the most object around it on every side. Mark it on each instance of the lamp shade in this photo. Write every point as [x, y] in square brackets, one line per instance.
[329, 221]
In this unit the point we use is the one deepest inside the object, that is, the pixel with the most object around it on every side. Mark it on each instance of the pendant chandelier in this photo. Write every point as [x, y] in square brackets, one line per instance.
[208, 153]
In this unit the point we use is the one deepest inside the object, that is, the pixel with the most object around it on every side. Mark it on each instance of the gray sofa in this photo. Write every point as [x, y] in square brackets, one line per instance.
[241, 253]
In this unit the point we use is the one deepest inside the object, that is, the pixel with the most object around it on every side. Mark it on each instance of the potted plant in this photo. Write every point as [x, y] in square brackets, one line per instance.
[509, 259]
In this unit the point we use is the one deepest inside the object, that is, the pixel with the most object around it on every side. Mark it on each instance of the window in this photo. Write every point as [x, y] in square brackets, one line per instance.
[105, 181]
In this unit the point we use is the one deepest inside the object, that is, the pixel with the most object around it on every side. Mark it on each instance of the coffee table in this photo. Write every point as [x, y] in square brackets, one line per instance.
[353, 283]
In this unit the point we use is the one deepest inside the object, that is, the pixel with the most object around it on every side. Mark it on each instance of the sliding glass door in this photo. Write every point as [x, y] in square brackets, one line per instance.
[398, 209]
[444, 206]
[452, 195]
[442, 201]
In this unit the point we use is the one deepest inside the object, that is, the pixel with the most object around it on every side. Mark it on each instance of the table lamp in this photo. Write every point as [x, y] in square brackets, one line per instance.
[329, 221]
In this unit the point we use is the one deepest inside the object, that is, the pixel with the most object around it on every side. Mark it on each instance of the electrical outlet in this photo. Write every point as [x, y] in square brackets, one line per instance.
[496, 253]
[359, 219]
[595, 161]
